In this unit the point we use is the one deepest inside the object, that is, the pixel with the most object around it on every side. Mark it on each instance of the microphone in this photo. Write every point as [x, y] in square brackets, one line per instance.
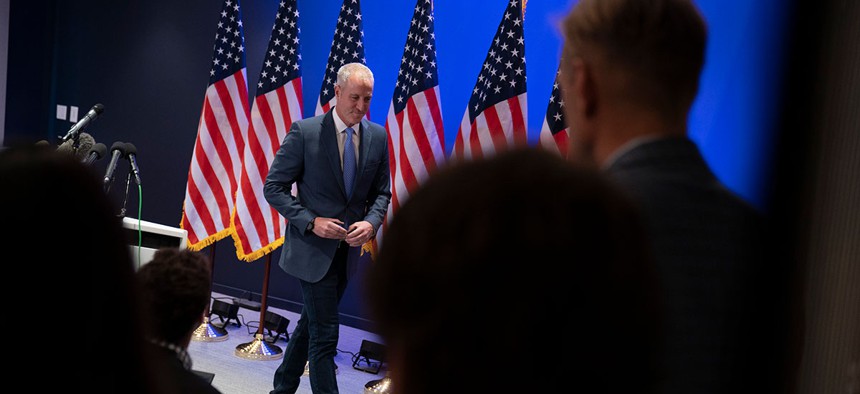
[117, 150]
[66, 147]
[94, 112]
[84, 141]
[131, 154]
[95, 153]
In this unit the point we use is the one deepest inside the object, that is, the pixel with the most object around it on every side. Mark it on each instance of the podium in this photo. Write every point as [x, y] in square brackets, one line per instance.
[151, 236]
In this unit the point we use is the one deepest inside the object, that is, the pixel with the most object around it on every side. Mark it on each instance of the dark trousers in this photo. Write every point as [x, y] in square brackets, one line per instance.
[314, 341]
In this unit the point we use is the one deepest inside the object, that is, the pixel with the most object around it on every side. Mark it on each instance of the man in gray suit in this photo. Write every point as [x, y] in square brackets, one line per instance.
[339, 162]
[630, 71]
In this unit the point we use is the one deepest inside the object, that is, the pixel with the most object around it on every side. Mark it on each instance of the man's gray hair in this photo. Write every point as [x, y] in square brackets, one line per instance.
[345, 71]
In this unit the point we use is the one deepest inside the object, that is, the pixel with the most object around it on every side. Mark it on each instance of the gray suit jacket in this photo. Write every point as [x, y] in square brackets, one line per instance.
[309, 157]
[708, 244]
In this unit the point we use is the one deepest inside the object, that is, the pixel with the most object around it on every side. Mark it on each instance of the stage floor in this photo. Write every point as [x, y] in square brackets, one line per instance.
[238, 375]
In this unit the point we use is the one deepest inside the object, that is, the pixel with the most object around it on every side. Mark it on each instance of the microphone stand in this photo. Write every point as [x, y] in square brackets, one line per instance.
[75, 144]
[125, 198]
[208, 332]
[259, 349]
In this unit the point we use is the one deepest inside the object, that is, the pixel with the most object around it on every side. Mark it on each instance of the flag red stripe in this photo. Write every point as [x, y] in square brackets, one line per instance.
[244, 242]
[436, 113]
[209, 172]
[561, 141]
[202, 213]
[262, 167]
[420, 134]
[206, 217]
[218, 138]
[297, 90]
[520, 137]
[274, 144]
[495, 129]
[295, 87]
[284, 110]
[416, 129]
[260, 161]
[223, 89]
[474, 141]
[394, 161]
[249, 196]
[458, 144]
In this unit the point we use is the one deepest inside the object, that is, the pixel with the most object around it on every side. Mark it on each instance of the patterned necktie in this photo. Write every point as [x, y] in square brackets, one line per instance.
[348, 162]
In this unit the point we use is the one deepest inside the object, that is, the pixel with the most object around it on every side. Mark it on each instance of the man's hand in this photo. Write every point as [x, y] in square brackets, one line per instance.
[329, 228]
[359, 233]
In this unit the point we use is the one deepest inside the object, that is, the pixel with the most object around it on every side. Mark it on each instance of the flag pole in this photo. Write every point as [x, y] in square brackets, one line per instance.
[259, 349]
[207, 332]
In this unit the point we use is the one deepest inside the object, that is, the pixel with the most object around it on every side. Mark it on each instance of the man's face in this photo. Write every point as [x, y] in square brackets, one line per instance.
[353, 99]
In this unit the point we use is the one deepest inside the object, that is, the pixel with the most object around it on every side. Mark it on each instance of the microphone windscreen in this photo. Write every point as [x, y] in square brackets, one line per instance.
[118, 146]
[85, 143]
[130, 149]
[67, 147]
[98, 108]
[100, 150]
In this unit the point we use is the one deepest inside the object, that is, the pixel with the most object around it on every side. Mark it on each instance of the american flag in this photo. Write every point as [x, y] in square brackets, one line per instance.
[347, 46]
[215, 163]
[497, 114]
[278, 103]
[414, 123]
[554, 134]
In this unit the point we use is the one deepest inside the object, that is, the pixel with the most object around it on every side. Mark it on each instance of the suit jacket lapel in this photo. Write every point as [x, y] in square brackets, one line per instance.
[328, 136]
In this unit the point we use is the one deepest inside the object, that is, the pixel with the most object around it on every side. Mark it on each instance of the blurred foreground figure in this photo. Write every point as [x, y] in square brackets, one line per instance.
[517, 273]
[84, 334]
[630, 71]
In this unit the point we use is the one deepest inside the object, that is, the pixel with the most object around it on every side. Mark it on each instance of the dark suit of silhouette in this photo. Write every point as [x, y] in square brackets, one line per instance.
[708, 244]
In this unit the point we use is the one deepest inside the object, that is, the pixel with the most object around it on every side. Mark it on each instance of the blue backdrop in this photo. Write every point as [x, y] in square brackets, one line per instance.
[732, 120]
